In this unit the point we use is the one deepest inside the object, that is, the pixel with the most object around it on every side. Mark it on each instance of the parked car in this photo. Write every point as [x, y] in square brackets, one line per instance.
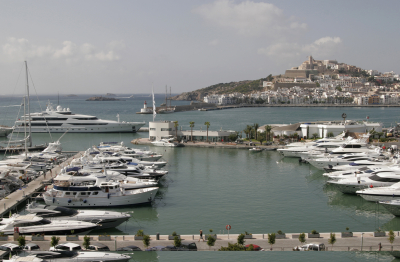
[66, 246]
[255, 247]
[98, 247]
[310, 247]
[11, 247]
[185, 246]
[31, 247]
[129, 248]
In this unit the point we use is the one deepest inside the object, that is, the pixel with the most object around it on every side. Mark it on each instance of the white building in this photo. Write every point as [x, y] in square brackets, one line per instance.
[165, 129]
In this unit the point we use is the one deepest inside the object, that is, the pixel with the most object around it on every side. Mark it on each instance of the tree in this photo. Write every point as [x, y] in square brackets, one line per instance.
[330, 134]
[54, 241]
[314, 136]
[240, 239]
[248, 130]
[86, 242]
[391, 237]
[177, 241]
[208, 125]
[339, 88]
[233, 137]
[146, 241]
[176, 128]
[268, 129]
[302, 238]
[210, 241]
[271, 239]
[21, 241]
[317, 84]
[332, 239]
[191, 130]
[256, 126]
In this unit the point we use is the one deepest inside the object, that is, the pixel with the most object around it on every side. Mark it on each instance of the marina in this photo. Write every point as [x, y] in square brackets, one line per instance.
[220, 181]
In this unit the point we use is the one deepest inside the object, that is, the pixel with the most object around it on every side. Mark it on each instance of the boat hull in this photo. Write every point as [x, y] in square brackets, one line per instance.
[117, 128]
[131, 197]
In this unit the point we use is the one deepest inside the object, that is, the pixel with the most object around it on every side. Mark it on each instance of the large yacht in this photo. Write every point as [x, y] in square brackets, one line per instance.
[59, 120]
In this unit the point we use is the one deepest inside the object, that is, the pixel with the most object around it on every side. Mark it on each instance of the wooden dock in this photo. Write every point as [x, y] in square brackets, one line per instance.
[10, 202]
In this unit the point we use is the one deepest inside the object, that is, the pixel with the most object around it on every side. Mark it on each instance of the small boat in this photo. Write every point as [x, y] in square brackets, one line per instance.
[5, 130]
[168, 142]
[255, 149]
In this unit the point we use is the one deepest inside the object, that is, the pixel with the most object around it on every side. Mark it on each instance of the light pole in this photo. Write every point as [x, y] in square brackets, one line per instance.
[362, 240]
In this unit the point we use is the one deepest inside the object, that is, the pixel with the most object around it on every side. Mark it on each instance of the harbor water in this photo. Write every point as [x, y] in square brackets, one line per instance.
[208, 188]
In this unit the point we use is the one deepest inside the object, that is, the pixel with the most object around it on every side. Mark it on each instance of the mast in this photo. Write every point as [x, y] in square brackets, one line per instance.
[26, 148]
[154, 104]
[166, 97]
[29, 111]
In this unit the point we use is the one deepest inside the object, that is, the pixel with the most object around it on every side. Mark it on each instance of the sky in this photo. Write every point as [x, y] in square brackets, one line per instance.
[128, 46]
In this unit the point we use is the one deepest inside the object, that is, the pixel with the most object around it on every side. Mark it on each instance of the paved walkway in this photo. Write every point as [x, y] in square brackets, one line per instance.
[360, 241]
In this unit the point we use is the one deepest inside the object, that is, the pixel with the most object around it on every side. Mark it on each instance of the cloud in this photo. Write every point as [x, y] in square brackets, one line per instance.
[249, 18]
[19, 49]
[323, 48]
[214, 42]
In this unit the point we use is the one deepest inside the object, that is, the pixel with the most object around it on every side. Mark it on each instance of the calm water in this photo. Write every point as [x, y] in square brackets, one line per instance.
[210, 188]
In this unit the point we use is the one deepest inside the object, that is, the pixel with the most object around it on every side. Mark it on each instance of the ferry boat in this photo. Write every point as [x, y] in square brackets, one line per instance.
[59, 120]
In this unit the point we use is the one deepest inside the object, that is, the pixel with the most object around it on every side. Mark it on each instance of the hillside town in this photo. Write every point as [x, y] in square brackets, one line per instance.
[320, 82]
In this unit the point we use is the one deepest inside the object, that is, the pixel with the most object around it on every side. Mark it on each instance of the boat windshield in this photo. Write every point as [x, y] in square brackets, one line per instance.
[60, 211]
[35, 223]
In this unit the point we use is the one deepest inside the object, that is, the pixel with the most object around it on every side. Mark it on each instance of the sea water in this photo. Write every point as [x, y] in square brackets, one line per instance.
[208, 188]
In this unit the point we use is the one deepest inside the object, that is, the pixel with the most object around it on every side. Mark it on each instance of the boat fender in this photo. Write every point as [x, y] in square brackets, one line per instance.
[69, 200]
[84, 201]
[54, 199]
[371, 186]
[108, 195]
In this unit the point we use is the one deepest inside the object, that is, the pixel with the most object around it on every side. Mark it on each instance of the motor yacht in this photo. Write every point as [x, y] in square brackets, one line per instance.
[380, 193]
[168, 142]
[107, 219]
[68, 256]
[377, 179]
[331, 160]
[59, 120]
[32, 224]
[393, 206]
[102, 193]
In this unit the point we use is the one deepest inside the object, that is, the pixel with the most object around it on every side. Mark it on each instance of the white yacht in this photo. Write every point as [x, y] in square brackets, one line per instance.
[102, 193]
[393, 206]
[32, 224]
[5, 130]
[168, 142]
[107, 219]
[70, 256]
[353, 184]
[380, 193]
[59, 120]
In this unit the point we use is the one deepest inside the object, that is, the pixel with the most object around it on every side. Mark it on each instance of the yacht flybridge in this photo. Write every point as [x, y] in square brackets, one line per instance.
[59, 120]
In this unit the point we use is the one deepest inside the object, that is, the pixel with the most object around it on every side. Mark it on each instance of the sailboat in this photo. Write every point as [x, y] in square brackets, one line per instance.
[27, 141]
[170, 109]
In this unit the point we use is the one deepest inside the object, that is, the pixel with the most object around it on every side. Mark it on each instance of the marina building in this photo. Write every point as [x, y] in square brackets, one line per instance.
[166, 129]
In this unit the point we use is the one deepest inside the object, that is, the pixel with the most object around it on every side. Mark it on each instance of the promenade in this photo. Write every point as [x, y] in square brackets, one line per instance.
[361, 241]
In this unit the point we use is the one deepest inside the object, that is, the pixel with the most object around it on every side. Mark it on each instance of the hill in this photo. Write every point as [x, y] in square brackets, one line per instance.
[244, 87]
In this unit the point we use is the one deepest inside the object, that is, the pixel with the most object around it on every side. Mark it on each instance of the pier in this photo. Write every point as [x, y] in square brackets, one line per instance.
[10, 202]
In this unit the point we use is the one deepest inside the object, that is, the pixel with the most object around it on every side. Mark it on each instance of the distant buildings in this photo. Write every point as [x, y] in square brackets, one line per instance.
[321, 81]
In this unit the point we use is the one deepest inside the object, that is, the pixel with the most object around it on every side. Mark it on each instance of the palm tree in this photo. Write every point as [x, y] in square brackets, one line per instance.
[248, 130]
[268, 129]
[191, 130]
[176, 128]
[256, 126]
[208, 125]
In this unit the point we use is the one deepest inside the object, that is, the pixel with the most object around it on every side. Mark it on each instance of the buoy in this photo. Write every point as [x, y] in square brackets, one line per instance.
[371, 186]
